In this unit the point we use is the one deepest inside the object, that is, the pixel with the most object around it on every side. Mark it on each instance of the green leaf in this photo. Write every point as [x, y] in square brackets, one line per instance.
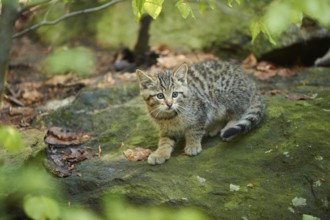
[10, 139]
[153, 7]
[266, 32]
[212, 4]
[258, 26]
[255, 29]
[41, 207]
[318, 10]
[279, 24]
[184, 9]
[202, 7]
[230, 2]
[137, 6]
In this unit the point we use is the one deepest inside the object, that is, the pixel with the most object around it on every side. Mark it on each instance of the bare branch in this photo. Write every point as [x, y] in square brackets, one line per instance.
[66, 16]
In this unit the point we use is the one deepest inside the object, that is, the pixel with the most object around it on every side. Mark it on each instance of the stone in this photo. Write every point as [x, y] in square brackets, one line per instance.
[118, 121]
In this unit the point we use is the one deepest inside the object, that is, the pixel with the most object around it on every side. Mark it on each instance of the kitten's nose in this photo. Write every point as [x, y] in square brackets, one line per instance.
[169, 104]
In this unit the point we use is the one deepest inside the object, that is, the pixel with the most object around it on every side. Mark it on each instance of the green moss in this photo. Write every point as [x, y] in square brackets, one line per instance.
[283, 158]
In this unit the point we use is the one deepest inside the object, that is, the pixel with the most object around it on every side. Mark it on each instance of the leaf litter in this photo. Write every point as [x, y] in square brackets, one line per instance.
[64, 150]
[264, 70]
[137, 154]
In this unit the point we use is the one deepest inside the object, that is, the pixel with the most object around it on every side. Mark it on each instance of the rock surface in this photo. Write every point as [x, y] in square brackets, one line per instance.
[257, 176]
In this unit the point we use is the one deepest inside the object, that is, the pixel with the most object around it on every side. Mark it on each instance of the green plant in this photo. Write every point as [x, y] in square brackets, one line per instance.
[280, 14]
[10, 139]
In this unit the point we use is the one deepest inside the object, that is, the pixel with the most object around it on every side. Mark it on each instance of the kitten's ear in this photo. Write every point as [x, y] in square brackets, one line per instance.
[144, 79]
[181, 73]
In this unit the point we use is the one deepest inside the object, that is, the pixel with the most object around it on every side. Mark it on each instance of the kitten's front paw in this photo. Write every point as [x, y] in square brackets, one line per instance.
[158, 158]
[192, 151]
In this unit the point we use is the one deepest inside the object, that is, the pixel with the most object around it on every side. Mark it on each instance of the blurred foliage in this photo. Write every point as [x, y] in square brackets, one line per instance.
[117, 209]
[230, 2]
[152, 7]
[78, 60]
[280, 14]
[41, 207]
[10, 139]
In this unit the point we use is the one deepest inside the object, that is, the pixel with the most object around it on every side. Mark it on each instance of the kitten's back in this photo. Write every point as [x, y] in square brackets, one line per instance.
[219, 84]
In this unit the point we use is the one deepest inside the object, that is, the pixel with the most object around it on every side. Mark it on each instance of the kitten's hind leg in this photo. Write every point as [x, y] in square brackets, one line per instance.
[214, 131]
[193, 142]
[215, 128]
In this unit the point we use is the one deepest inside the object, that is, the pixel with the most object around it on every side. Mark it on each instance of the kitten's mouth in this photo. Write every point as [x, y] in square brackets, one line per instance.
[165, 114]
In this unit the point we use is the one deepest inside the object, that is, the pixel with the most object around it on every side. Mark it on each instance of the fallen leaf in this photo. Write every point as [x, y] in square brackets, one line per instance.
[275, 92]
[201, 179]
[61, 163]
[137, 154]
[60, 80]
[251, 185]
[249, 62]
[60, 137]
[233, 187]
[264, 70]
[31, 96]
[297, 201]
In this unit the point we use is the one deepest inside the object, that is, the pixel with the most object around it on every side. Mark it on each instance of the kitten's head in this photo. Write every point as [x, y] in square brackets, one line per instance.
[164, 92]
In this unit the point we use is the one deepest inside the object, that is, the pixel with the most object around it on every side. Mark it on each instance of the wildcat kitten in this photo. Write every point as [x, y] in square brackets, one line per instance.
[207, 98]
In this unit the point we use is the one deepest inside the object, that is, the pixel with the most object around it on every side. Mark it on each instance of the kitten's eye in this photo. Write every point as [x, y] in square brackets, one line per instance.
[175, 94]
[160, 95]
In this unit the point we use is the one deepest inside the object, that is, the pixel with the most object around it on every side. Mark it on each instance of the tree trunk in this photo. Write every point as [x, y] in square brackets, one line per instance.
[9, 13]
[142, 45]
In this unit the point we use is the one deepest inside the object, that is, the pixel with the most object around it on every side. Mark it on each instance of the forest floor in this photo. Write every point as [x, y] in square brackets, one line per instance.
[30, 92]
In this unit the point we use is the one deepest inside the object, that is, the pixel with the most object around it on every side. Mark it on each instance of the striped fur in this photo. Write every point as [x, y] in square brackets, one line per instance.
[207, 98]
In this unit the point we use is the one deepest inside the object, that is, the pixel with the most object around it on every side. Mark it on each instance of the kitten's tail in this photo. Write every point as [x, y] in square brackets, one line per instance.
[250, 119]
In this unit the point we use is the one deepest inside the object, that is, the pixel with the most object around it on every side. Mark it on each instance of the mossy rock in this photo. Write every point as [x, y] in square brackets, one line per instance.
[287, 157]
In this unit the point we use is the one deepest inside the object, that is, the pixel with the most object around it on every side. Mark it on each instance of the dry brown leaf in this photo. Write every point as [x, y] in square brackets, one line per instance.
[249, 62]
[60, 80]
[31, 96]
[57, 136]
[251, 185]
[137, 154]
[275, 92]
